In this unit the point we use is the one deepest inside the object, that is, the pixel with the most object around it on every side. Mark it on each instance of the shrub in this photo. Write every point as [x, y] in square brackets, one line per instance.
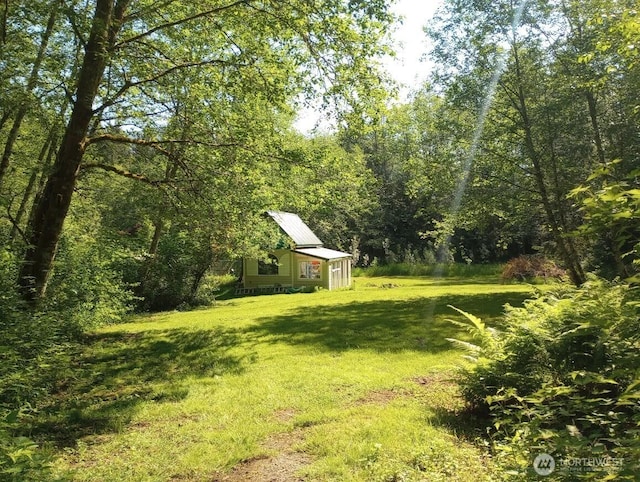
[26, 341]
[35, 342]
[214, 287]
[529, 267]
[562, 378]
[21, 460]
[85, 291]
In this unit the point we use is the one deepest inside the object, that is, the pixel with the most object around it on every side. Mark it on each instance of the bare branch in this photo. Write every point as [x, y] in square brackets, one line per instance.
[128, 84]
[124, 173]
[520, 187]
[154, 7]
[15, 224]
[180, 21]
[76, 30]
[155, 49]
[322, 63]
[157, 143]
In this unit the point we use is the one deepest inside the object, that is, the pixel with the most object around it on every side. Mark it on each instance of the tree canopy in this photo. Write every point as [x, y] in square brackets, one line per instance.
[171, 122]
[207, 86]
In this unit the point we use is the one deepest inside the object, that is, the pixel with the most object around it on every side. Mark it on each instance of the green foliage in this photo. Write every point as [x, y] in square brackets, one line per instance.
[38, 345]
[214, 287]
[485, 337]
[330, 188]
[28, 339]
[9, 300]
[436, 270]
[610, 203]
[204, 120]
[21, 460]
[33, 355]
[415, 155]
[168, 277]
[87, 291]
[563, 378]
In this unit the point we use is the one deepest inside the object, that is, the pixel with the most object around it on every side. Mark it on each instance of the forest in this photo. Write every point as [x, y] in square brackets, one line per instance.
[143, 140]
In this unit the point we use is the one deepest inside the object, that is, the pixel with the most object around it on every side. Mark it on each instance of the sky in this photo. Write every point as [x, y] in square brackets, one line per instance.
[407, 69]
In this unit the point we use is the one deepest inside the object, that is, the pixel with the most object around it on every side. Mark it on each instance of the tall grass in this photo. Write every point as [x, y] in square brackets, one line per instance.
[452, 270]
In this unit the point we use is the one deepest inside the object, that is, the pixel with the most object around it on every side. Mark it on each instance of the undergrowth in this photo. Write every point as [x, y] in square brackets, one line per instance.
[37, 346]
[436, 270]
[562, 377]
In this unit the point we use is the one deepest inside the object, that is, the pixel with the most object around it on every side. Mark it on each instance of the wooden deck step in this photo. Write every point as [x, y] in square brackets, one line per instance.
[264, 290]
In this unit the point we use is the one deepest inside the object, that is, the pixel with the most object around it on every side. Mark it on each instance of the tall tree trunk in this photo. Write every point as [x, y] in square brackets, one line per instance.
[158, 228]
[44, 161]
[198, 276]
[565, 245]
[593, 115]
[52, 208]
[621, 268]
[3, 21]
[31, 85]
[170, 173]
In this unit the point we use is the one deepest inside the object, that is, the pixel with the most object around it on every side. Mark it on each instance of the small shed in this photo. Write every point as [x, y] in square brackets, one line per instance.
[306, 263]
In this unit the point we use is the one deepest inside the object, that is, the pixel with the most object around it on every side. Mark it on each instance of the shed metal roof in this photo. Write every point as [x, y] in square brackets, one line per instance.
[323, 253]
[296, 229]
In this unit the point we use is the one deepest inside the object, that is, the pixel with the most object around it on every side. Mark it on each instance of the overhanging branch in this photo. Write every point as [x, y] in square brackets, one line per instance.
[155, 143]
[124, 173]
[128, 84]
[179, 22]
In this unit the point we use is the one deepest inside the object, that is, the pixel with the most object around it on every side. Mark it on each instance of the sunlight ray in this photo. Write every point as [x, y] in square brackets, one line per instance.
[467, 164]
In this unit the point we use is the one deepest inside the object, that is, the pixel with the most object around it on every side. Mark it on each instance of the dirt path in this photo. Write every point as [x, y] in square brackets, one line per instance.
[281, 467]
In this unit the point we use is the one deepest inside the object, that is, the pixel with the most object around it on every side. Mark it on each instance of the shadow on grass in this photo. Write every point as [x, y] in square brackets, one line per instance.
[384, 326]
[116, 372]
[463, 422]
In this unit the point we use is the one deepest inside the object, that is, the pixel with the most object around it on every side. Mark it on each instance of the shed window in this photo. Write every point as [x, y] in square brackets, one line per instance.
[310, 269]
[268, 267]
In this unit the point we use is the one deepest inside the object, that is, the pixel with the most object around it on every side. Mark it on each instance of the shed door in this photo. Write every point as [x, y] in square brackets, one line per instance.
[336, 275]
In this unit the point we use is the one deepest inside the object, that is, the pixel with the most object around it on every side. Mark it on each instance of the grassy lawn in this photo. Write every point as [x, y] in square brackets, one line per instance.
[346, 386]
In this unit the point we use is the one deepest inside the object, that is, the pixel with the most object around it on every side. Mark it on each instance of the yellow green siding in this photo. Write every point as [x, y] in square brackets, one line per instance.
[298, 270]
[252, 279]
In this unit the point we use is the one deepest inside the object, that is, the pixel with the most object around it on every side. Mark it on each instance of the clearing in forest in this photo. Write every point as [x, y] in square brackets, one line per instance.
[347, 385]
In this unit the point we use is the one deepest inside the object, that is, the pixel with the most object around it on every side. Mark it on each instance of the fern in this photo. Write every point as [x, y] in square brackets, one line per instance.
[486, 337]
